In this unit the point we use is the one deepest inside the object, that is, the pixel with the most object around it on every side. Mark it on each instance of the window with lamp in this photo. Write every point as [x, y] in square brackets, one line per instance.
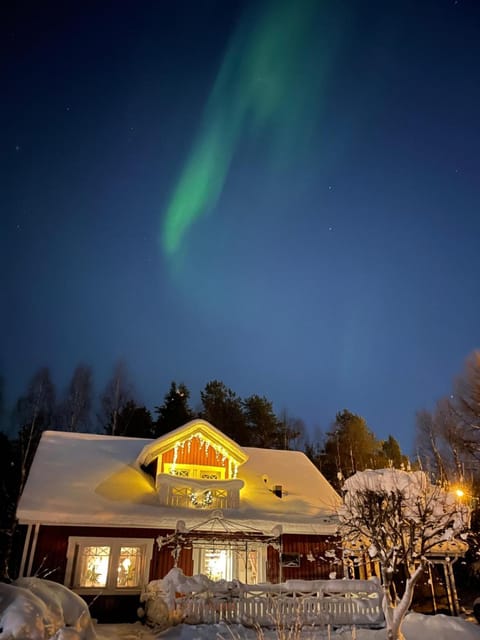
[108, 564]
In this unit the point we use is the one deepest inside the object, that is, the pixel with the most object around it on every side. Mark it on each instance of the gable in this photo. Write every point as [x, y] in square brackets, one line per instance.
[196, 444]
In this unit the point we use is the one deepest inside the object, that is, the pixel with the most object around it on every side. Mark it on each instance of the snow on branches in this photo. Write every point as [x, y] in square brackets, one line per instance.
[400, 515]
[399, 518]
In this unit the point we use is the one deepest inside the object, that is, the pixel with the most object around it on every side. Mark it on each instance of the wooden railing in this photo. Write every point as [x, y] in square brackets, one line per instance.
[315, 603]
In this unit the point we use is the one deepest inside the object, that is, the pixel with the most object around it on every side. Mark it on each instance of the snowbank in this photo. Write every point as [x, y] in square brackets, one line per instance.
[35, 609]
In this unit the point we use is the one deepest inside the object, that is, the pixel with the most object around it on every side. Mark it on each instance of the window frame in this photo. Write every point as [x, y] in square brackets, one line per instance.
[195, 471]
[233, 560]
[76, 544]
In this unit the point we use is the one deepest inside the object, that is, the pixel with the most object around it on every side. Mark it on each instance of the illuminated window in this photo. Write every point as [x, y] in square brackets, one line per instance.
[129, 566]
[215, 564]
[204, 472]
[108, 565]
[231, 562]
[94, 563]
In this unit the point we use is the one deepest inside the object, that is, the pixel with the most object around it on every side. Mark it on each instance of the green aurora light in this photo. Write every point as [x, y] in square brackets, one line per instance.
[268, 80]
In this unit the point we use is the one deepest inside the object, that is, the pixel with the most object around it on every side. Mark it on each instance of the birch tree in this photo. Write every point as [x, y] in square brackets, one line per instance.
[448, 438]
[76, 406]
[118, 392]
[399, 517]
[34, 414]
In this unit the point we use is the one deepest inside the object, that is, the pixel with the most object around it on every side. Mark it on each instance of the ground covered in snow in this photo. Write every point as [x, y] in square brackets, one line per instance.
[416, 627]
[34, 609]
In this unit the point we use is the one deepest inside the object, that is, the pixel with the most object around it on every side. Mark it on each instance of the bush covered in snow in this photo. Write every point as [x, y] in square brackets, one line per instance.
[36, 609]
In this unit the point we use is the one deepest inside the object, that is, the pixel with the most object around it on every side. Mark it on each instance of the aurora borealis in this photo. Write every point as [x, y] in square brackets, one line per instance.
[269, 80]
[280, 195]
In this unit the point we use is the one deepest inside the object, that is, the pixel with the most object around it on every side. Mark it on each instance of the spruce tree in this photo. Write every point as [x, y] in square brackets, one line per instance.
[223, 409]
[175, 410]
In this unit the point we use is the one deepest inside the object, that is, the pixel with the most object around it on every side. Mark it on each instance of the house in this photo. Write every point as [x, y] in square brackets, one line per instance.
[104, 515]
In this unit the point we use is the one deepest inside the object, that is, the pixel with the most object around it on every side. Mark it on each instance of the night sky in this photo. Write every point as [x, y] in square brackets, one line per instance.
[280, 195]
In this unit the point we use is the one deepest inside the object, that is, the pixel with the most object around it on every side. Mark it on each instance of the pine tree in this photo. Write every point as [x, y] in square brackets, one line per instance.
[391, 455]
[223, 409]
[135, 422]
[263, 427]
[175, 410]
[349, 447]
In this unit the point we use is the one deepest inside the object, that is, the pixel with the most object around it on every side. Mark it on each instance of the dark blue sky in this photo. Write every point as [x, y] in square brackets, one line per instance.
[342, 274]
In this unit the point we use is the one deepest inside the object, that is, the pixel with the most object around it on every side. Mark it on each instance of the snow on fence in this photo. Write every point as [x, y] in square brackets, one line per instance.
[198, 600]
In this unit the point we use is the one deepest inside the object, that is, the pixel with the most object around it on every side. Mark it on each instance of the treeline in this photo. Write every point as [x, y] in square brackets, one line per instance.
[251, 421]
[447, 437]
[348, 446]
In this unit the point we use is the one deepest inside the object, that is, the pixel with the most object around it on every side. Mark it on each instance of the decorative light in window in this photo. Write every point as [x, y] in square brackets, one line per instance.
[215, 564]
[203, 442]
[201, 500]
[128, 572]
[94, 566]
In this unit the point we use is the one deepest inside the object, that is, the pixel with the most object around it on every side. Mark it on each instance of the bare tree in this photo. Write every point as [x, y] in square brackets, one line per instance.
[33, 414]
[428, 446]
[292, 431]
[399, 517]
[448, 438]
[464, 405]
[76, 406]
[118, 392]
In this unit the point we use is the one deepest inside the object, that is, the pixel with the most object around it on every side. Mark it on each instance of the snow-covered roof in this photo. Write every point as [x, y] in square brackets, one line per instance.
[89, 479]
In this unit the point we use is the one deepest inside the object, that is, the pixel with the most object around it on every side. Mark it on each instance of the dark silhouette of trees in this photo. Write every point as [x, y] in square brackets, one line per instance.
[175, 410]
[350, 446]
[134, 422]
[448, 438]
[263, 426]
[390, 455]
[223, 408]
[9, 494]
[74, 410]
[291, 431]
[118, 392]
[33, 414]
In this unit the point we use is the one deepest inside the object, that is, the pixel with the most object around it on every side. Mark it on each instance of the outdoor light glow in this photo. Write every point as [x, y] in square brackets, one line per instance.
[205, 443]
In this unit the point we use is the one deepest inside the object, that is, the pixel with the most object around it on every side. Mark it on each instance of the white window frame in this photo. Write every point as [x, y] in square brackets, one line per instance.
[74, 550]
[232, 560]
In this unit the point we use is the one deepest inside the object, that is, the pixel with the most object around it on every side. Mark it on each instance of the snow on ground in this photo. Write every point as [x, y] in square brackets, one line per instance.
[416, 627]
[41, 610]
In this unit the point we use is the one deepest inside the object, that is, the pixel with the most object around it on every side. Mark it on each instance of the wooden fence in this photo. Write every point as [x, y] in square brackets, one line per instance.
[320, 603]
